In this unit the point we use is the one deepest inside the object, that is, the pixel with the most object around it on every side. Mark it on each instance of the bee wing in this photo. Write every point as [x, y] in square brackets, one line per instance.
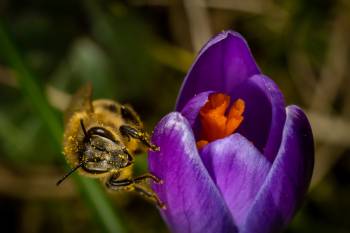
[81, 101]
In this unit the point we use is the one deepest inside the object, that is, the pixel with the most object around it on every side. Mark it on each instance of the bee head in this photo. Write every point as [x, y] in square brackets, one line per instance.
[102, 152]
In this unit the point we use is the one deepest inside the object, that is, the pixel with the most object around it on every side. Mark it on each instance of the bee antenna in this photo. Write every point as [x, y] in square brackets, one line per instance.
[70, 172]
[83, 127]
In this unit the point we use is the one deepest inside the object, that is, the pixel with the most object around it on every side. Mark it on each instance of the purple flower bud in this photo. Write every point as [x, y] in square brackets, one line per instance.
[252, 180]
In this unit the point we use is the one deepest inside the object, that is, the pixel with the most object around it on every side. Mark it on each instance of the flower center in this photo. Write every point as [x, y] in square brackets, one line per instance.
[216, 122]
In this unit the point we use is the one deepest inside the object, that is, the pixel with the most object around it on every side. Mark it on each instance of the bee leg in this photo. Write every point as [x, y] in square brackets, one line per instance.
[118, 185]
[133, 184]
[147, 176]
[150, 195]
[113, 181]
[139, 134]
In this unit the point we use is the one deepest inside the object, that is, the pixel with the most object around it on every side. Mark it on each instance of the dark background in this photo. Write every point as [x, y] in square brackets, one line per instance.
[137, 52]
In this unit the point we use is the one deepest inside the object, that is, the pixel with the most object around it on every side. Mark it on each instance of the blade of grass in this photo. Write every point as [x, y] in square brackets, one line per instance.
[92, 192]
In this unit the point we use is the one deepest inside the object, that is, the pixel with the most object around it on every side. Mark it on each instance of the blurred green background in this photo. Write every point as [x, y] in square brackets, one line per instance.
[137, 52]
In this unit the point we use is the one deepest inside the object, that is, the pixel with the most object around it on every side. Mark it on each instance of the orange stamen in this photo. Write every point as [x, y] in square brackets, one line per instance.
[201, 144]
[215, 123]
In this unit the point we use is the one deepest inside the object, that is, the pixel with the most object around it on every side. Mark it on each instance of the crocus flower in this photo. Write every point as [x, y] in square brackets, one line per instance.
[232, 156]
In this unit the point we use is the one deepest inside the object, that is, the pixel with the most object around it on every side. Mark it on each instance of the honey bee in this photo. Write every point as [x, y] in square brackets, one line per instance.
[100, 139]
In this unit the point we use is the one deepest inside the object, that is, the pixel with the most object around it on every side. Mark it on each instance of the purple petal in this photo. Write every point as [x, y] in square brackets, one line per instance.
[193, 202]
[238, 169]
[288, 179]
[264, 115]
[223, 63]
[191, 110]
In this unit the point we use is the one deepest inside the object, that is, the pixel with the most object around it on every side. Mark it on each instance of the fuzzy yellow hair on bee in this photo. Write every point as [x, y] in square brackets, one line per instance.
[100, 139]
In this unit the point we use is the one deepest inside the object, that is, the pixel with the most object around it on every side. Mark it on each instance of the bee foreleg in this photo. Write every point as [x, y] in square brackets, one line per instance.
[147, 176]
[150, 195]
[139, 134]
[117, 185]
[114, 183]
[134, 184]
